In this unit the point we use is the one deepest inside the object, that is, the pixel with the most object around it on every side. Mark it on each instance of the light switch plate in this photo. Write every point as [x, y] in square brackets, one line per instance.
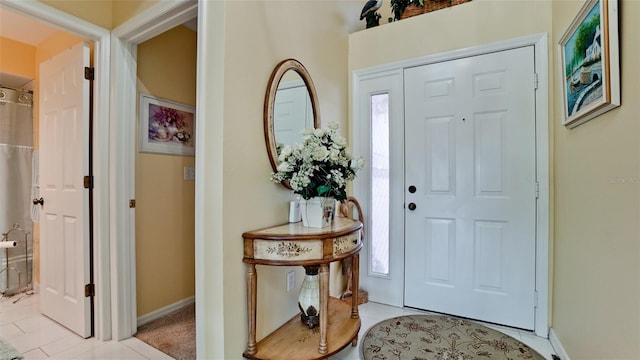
[189, 173]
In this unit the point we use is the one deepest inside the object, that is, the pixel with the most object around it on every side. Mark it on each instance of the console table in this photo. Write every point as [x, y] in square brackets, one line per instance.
[291, 245]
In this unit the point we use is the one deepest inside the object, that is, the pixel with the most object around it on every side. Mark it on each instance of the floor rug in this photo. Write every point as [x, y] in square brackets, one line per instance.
[173, 334]
[7, 352]
[426, 337]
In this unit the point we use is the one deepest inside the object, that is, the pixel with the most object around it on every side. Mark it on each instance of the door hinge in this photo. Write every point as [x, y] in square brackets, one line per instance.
[132, 203]
[537, 189]
[535, 299]
[535, 81]
[88, 73]
[88, 182]
[89, 290]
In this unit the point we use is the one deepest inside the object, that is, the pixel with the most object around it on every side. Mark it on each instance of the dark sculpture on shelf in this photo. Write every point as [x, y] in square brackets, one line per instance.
[369, 13]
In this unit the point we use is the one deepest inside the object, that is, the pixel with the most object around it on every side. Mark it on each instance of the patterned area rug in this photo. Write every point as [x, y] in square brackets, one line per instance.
[7, 352]
[426, 337]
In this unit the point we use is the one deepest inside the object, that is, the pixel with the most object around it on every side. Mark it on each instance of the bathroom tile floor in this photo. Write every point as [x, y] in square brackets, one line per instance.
[38, 337]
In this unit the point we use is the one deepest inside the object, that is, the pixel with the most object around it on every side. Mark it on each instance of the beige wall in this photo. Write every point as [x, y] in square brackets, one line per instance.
[98, 12]
[259, 34]
[597, 204]
[124, 10]
[108, 14]
[475, 23]
[165, 255]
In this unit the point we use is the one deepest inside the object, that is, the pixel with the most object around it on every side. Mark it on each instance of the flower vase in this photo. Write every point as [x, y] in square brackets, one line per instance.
[317, 212]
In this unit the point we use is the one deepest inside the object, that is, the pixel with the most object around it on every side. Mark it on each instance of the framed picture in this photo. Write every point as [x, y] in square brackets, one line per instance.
[166, 127]
[590, 62]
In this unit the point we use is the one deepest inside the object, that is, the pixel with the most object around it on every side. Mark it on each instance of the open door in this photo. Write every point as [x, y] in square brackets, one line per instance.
[64, 216]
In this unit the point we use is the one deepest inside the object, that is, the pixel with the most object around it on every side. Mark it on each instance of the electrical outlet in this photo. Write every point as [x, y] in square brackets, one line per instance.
[291, 280]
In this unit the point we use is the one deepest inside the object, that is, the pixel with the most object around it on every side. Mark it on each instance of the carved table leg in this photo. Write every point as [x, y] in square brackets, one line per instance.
[252, 280]
[355, 281]
[324, 307]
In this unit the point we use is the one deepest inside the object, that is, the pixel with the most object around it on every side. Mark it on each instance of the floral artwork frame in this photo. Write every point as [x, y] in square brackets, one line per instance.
[166, 127]
[590, 63]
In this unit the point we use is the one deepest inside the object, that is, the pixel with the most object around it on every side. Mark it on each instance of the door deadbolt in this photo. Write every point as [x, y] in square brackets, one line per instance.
[412, 189]
[412, 206]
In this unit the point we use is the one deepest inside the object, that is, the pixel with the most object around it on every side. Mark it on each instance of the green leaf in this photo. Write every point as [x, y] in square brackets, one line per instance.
[323, 189]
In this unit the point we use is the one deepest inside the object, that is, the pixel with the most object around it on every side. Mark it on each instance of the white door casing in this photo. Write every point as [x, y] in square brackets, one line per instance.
[100, 37]
[64, 161]
[470, 152]
[382, 288]
[125, 38]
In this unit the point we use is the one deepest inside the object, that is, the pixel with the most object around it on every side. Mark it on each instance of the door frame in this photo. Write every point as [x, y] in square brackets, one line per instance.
[101, 235]
[125, 38]
[362, 130]
[210, 320]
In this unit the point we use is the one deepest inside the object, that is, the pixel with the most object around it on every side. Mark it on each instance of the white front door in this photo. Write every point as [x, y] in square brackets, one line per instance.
[64, 161]
[470, 187]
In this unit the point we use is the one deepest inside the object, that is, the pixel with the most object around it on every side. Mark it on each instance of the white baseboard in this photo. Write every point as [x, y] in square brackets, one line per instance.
[165, 310]
[557, 346]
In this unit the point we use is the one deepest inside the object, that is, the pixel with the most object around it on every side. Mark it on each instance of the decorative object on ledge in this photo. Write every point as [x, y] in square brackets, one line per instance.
[402, 9]
[369, 12]
[590, 60]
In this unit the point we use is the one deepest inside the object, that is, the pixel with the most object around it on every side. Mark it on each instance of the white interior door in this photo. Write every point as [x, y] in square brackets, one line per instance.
[293, 110]
[64, 161]
[471, 219]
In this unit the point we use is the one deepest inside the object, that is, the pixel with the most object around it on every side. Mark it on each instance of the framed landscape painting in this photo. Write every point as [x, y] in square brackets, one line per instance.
[590, 62]
[166, 127]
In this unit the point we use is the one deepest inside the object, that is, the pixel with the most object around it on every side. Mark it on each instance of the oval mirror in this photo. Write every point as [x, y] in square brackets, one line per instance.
[290, 105]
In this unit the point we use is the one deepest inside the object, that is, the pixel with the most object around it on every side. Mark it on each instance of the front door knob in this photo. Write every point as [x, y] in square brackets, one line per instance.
[38, 201]
[412, 206]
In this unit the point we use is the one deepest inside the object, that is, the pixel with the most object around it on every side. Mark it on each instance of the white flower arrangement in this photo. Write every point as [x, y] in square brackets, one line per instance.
[320, 166]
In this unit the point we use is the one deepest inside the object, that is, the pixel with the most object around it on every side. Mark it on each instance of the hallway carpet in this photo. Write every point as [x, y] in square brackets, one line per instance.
[428, 337]
[174, 334]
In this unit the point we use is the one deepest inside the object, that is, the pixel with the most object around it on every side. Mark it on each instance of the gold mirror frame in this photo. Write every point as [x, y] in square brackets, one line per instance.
[269, 102]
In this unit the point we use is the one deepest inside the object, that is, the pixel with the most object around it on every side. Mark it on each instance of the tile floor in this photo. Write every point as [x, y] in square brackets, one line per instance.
[38, 337]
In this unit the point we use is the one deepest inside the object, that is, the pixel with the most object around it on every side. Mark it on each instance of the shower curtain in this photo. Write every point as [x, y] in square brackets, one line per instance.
[16, 151]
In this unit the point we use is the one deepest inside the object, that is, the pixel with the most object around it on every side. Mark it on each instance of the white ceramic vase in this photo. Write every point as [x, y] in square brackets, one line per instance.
[317, 212]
